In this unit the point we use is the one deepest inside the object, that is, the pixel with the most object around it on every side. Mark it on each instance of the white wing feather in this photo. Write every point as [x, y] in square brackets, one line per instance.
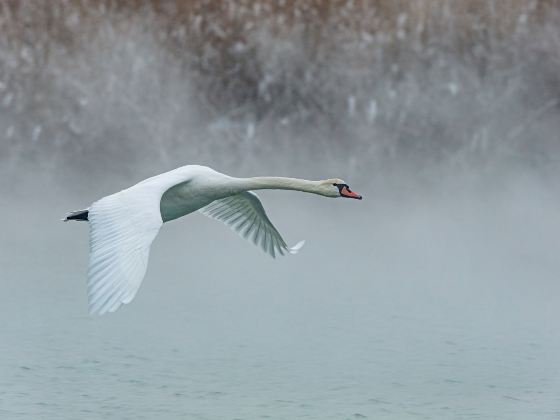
[122, 228]
[245, 214]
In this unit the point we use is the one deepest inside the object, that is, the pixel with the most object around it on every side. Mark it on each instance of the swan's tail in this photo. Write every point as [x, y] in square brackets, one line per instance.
[79, 215]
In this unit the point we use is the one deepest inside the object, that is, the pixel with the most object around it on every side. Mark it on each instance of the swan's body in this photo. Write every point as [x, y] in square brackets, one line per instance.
[123, 225]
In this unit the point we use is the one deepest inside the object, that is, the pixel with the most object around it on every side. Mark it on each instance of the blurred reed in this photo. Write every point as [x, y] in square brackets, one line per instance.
[113, 85]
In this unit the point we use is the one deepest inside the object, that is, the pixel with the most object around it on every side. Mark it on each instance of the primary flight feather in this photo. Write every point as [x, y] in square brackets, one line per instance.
[123, 225]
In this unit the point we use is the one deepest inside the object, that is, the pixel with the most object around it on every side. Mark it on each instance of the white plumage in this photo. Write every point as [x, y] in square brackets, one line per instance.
[244, 214]
[120, 240]
[124, 225]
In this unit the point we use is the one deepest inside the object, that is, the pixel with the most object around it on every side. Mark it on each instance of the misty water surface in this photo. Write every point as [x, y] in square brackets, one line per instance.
[433, 307]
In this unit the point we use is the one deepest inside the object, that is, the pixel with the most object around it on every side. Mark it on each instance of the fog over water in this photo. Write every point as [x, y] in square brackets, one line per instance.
[436, 297]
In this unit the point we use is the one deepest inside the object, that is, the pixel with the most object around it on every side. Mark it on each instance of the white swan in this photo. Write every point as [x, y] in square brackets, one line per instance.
[123, 225]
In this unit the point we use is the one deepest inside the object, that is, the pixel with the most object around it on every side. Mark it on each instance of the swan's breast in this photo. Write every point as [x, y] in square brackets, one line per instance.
[190, 196]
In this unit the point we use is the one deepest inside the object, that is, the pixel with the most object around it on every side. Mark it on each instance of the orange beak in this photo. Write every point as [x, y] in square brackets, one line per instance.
[345, 192]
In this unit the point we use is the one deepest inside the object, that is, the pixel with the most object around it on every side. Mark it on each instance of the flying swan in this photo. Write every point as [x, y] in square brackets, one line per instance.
[123, 225]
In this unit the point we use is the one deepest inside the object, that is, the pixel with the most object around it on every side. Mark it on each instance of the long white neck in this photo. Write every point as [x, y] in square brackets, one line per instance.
[278, 183]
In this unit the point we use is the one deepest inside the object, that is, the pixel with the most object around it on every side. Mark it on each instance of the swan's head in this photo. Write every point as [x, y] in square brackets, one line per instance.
[338, 188]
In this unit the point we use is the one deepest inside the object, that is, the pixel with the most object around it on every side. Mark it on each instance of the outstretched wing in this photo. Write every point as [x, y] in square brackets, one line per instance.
[245, 214]
[122, 228]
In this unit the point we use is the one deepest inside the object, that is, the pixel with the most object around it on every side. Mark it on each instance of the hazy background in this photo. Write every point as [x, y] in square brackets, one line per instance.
[436, 297]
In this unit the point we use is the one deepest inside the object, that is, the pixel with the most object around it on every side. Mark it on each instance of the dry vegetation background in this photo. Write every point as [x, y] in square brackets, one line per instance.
[462, 86]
